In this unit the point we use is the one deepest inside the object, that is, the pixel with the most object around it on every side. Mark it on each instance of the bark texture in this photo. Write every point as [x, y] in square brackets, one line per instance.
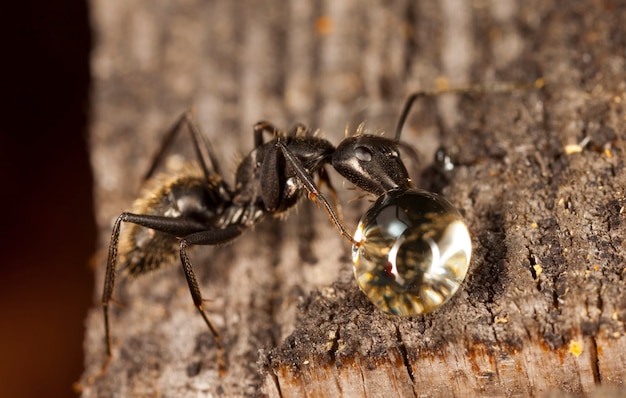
[543, 308]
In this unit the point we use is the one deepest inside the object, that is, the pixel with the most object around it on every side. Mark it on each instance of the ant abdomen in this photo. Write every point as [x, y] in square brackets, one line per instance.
[185, 196]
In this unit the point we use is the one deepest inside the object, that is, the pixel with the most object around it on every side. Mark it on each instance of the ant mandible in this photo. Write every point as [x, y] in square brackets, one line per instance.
[411, 249]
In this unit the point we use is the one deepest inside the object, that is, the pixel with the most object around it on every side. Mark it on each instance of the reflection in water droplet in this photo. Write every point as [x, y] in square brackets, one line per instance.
[413, 253]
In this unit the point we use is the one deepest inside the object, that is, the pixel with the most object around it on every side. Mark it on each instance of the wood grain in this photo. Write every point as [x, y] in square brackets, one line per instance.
[544, 305]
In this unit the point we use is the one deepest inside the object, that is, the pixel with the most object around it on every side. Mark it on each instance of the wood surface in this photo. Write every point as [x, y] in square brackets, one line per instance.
[539, 178]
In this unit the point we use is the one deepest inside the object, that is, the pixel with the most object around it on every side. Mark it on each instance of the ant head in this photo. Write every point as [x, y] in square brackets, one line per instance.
[372, 163]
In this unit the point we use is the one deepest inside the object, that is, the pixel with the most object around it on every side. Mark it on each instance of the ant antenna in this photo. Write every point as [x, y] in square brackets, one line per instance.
[492, 88]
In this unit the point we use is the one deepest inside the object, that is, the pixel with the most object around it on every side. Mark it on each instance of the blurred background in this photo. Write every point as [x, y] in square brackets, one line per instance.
[46, 281]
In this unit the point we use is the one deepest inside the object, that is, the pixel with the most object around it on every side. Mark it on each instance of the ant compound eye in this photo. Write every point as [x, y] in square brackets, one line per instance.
[363, 154]
[413, 253]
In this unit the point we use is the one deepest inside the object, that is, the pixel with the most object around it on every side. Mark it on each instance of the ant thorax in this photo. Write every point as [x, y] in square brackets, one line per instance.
[266, 180]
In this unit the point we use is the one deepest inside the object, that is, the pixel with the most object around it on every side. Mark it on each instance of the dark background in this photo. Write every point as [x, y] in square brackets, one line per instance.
[46, 281]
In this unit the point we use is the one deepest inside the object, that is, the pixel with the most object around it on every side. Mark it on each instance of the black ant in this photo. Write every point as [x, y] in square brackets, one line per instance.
[199, 208]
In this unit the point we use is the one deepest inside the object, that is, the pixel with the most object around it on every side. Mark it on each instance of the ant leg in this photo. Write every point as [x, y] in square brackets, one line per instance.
[212, 237]
[263, 127]
[109, 280]
[271, 187]
[314, 192]
[173, 226]
[202, 148]
[324, 178]
[267, 127]
[270, 176]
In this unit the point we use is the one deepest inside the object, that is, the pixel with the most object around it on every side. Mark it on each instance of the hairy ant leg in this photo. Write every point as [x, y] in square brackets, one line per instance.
[194, 233]
[206, 238]
[169, 225]
[213, 237]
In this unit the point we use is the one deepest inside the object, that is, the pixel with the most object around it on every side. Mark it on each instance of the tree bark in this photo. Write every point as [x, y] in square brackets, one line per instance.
[539, 178]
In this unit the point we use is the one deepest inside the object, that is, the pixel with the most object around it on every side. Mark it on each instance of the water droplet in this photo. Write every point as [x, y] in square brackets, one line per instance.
[413, 253]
